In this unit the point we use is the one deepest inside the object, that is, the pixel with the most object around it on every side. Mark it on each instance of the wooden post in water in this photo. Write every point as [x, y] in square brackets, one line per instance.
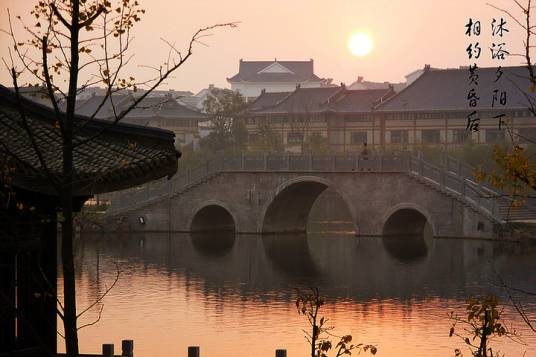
[193, 351]
[127, 347]
[280, 353]
[108, 350]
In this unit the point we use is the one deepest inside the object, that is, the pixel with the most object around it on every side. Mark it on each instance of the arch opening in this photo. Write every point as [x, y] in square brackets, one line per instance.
[405, 221]
[213, 218]
[289, 210]
[407, 235]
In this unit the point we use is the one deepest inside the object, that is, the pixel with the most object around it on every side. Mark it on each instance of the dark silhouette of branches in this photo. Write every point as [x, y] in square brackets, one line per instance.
[69, 37]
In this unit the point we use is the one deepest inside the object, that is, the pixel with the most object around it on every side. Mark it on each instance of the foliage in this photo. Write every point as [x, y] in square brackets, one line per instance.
[228, 130]
[309, 306]
[266, 140]
[316, 143]
[482, 324]
[514, 173]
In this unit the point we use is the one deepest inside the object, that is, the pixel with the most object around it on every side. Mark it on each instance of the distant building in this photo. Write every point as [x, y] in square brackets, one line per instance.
[158, 111]
[37, 94]
[197, 101]
[328, 112]
[432, 110]
[360, 83]
[274, 76]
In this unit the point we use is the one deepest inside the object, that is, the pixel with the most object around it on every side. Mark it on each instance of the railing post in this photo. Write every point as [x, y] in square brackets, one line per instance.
[381, 163]
[334, 163]
[356, 162]
[280, 353]
[310, 161]
[127, 347]
[460, 168]
[443, 178]
[288, 161]
[108, 350]
[243, 161]
[193, 351]
[463, 187]
[495, 211]
[265, 161]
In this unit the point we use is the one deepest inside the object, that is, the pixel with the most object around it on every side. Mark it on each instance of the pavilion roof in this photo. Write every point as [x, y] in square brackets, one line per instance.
[117, 156]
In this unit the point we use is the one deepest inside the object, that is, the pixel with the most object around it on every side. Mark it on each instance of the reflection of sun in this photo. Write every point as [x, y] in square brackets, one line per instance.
[360, 44]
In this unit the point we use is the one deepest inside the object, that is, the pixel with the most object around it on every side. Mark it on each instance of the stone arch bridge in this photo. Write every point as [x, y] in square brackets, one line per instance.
[385, 195]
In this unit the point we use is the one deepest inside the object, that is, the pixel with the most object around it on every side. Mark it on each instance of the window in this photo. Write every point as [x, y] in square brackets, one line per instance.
[358, 137]
[430, 136]
[459, 136]
[494, 136]
[399, 136]
[294, 138]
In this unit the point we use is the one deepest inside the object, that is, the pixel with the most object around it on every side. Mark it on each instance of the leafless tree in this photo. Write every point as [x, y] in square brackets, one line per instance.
[69, 40]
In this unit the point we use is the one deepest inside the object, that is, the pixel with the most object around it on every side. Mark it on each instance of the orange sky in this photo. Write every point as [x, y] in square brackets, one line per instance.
[406, 34]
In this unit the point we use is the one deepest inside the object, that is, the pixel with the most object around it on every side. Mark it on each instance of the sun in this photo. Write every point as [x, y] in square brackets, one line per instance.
[360, 44]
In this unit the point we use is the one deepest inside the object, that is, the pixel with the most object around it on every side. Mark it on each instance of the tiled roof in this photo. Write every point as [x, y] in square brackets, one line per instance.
[305, 100]
[162, 107]
[251, 71]
[267, 100]
[448, 89]
[356, 101]
[314, 100]
[122, 156]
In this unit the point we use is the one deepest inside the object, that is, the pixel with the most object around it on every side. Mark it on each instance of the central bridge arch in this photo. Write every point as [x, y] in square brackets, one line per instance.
[288, 210]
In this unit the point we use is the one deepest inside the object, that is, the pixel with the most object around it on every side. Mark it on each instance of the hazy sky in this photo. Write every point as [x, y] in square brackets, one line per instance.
[407, 34]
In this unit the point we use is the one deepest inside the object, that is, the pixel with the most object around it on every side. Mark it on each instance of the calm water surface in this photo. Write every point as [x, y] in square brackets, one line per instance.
[234, 296]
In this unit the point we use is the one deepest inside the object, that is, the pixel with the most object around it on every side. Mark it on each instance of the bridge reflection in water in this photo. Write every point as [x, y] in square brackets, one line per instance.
[227, 292]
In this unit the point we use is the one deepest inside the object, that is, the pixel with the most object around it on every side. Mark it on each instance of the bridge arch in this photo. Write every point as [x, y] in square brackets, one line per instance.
[213, 215]
[406, 219]
[287, 211]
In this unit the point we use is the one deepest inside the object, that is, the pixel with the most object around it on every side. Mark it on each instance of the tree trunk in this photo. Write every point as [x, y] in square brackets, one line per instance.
[69, 284]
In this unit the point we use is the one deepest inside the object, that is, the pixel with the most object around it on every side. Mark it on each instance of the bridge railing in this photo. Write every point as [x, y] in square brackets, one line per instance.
[452, 176]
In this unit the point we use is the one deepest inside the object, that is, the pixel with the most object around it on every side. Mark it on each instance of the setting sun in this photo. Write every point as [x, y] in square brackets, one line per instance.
[360, 44]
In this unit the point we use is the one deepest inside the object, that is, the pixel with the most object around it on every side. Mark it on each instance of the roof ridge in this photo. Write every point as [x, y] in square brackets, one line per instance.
[404, 90]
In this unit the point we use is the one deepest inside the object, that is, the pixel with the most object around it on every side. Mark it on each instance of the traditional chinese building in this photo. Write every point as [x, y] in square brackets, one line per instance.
[434, 109]
[338, 114]
[274, 76]
[156, 111]
[116, 157]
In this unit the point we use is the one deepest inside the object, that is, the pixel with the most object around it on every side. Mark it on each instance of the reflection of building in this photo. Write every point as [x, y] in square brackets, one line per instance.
[274, 76]
[432, 110]
[157, 111]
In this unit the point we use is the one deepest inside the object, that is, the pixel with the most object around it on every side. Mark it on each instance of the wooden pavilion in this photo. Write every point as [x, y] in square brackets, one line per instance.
[117, 157]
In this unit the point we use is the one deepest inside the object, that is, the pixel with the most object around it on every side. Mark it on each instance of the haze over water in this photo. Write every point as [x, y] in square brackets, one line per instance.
[234, 296]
